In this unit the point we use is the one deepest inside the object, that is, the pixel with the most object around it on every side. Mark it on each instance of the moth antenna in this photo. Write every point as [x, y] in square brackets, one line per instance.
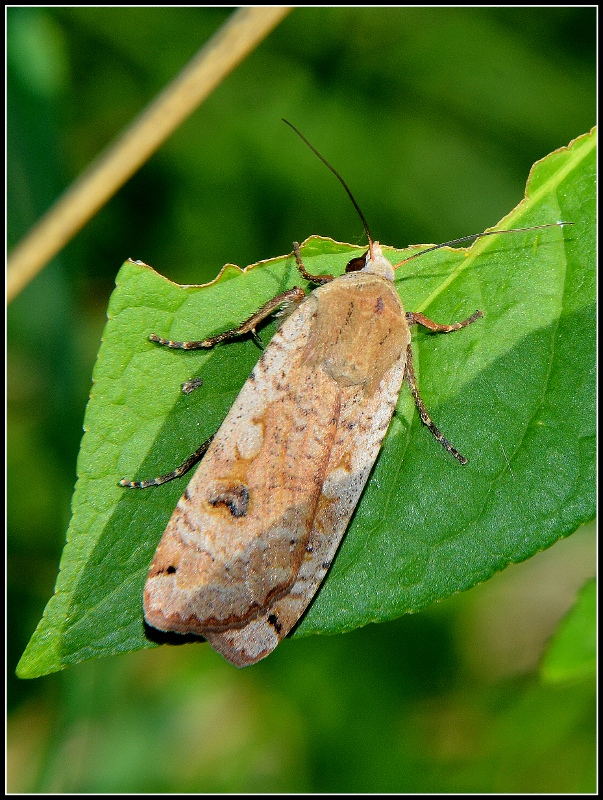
[341, 181]
[478, 236]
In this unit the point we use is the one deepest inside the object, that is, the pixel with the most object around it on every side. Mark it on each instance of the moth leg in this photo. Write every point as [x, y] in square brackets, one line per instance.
[295, 295]
[409, 374]
[420, 319]
[257, 339]
[193, 459]
[300, 265]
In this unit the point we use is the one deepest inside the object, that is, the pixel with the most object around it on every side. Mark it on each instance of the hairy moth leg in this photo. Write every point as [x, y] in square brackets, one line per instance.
[318, 279]
[193, 459]
[420, 319]
[295, 295]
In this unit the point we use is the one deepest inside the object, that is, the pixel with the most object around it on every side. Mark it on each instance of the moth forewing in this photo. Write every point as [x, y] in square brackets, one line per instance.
[255, 532]
[237, 536]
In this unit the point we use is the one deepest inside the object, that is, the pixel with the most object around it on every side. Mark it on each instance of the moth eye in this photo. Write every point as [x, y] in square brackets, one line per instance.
[356, 264]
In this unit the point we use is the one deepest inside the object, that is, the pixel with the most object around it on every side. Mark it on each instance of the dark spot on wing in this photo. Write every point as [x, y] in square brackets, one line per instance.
[235, 498]
[273, 620]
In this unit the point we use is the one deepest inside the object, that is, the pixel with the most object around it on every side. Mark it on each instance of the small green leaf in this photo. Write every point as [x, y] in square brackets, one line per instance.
[572, 652]
[514, 393]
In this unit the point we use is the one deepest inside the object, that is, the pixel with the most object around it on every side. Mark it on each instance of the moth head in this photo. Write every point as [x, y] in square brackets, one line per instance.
[376, 263]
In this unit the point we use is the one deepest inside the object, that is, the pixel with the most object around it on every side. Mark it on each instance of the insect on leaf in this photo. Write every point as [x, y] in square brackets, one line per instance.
[514, 392]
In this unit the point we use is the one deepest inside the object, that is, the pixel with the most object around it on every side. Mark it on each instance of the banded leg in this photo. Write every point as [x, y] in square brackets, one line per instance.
[193, 459]
[319, 279]
[420, 319]
[423, 413]
[295, 295]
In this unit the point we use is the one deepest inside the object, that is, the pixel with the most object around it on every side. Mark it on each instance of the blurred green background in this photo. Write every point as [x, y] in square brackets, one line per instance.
[434, 117]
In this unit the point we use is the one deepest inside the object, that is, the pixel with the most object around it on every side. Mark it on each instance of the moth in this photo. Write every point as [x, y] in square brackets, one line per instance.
[256, 530]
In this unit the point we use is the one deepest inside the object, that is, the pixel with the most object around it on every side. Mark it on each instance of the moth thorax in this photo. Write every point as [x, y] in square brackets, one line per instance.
[378, 264]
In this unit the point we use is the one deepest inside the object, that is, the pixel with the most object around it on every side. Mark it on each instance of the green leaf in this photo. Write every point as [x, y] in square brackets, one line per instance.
[514, 392]
[572, 652]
